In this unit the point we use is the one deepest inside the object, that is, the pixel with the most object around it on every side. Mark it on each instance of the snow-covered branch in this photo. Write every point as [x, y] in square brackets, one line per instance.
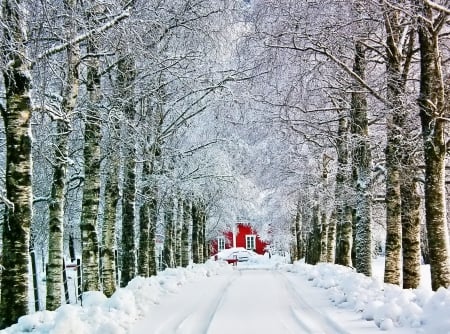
[7, 202]
[437, 7]
[82, 37]
[338, 62]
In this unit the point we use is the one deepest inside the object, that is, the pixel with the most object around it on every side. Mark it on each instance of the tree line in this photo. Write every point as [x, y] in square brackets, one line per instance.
[133, 125]
[103, 153]
[364, 87]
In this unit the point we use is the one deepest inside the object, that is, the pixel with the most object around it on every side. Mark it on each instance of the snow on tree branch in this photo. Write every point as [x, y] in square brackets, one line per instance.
[438, 7]
[83, 37]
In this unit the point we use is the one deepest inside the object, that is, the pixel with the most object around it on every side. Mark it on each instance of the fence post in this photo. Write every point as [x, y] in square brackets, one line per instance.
[66, 288]
[79, 288]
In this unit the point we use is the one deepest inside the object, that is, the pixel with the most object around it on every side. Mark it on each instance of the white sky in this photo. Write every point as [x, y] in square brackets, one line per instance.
[262, 296]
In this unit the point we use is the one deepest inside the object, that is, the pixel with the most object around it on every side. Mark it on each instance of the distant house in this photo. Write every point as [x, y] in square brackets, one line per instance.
[243, 235]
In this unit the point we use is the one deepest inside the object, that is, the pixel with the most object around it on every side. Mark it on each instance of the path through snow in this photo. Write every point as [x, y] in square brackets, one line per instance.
[250, 301]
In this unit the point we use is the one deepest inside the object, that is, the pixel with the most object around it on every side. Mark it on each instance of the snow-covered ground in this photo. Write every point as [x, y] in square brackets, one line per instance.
[259, 296]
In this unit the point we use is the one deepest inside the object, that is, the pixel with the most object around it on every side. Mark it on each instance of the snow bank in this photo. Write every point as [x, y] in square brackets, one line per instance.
[250, 259]
[116, 314]
[387, 305]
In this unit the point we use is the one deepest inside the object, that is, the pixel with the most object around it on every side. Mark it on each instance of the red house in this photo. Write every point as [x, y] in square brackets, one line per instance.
[243, 235]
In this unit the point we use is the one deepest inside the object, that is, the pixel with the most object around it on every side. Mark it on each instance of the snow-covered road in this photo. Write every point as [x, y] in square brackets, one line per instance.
[249, 301]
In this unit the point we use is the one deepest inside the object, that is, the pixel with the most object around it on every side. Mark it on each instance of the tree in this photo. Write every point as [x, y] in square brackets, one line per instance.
[54, 279]
[126, 81]
[399, 52]
[16, 115]
[361, 166]
[433, 120]
[344, 238]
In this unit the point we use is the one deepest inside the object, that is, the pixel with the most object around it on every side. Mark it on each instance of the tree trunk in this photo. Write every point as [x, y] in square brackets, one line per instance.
[344, 238]
[432, 115]
[147, 221]
[398, 59]
[128, 233]
[331, 242]
[153, 217]
[424, 250]
[196, 226]
[178, 231]
[205, 246]
[296, 232]
[109, 229]
[17, 115]
[410, 232]
[185, 234]
[362, 178]
[144, 239]
[147, 196]
[126, 78]
[91, 189]
[313, 249]
[293, 248]
[323, 237]
[54, 277]
[168, 251]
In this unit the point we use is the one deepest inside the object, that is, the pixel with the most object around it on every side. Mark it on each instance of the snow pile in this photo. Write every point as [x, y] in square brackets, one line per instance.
[251, 260]
[115, 315]
[387, 305]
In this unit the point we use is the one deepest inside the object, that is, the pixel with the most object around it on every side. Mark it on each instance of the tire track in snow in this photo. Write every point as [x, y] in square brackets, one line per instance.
[310, 318]
[189, 311]
[199, 321]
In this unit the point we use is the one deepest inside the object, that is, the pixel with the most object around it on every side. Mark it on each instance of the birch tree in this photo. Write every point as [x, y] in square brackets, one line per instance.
[433, 116]
[344, 238]
[16, 115]
[361, 166]
[54, 279]
[399, 52]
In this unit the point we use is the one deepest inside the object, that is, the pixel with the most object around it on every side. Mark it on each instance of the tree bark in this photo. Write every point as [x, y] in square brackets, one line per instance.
[362, 178]
[293, 248]
[432, 113]
[54, 276]
[109, 228]
[410, 232]
[153, 217]
[344, 238]
[185, 234]
[126, 78]
[394, 147]
[331, 242]
[91, 188]
[323, 237]
[178, 231]
[204, 243]
[196, 225]
[144, 239]
[17, 115]
[313, 249]
[168, 251]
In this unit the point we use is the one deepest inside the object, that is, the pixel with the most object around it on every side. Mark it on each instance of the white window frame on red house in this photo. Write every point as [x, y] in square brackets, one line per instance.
[220, 244]
[250, 241]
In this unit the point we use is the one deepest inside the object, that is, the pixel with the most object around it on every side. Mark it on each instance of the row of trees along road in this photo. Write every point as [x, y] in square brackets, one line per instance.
[111, 93]
[340, 69]
[152, 122]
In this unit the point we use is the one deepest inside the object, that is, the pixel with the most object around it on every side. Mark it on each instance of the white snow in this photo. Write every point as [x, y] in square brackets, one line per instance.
[261, 295]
